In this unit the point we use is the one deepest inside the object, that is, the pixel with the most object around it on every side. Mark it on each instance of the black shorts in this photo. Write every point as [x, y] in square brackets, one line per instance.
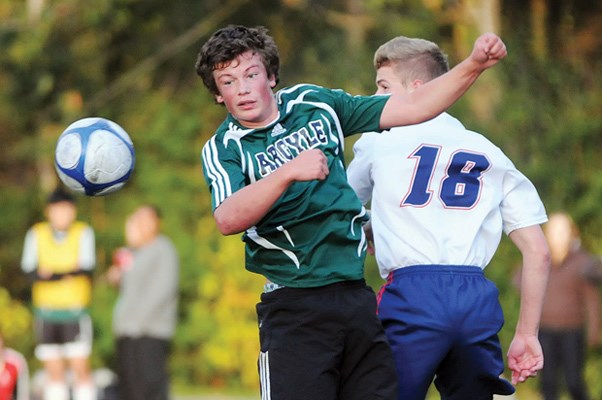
[324, 343]
[63, 339]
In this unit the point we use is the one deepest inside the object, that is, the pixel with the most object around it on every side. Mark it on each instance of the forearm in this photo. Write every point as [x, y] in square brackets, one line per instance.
[246, 207]
[431, 98]
[535, 271]
[525, 356]
[533, 287]
[55, 276]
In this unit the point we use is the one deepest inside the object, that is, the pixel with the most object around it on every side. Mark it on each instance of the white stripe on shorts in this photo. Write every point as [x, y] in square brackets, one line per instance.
[264, 375]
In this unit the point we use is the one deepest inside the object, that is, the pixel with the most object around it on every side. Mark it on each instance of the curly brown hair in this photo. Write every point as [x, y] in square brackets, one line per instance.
[228, 43]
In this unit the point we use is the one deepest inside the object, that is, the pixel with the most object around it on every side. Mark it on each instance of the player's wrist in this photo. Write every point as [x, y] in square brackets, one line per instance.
[527, 333]
[472, 66]
[286, 175]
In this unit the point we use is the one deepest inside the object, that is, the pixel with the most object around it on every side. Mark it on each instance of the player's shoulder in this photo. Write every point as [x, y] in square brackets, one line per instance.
[484, 143]
[469, 136]
[165, 241]
[81, 228]
[39, 225]
[229, 129]
[295, 90]
[305, 92]
[230, 124]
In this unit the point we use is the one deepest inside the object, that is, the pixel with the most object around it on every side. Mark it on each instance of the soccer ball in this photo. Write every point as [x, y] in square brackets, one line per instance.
[94, 156]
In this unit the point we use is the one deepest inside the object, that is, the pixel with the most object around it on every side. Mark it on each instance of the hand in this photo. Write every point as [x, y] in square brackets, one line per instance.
[114, 274]
[308, 165]
[44, 274]
[525, 357]
[488, 50]
[123, 257]
[369, 237]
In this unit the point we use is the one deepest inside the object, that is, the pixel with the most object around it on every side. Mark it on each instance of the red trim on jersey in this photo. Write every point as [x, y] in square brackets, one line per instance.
[8, 381]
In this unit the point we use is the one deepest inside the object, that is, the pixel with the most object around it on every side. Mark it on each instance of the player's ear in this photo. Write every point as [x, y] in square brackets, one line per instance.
[272, 80]
[219, 99]
[416, 83]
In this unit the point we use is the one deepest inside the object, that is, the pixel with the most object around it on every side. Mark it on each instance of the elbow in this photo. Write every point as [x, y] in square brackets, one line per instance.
[226, 223]
[544, 257]
[225, 227]
[546, 254]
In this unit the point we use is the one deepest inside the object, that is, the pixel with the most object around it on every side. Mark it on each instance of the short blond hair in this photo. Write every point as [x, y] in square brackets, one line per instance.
[412, 59]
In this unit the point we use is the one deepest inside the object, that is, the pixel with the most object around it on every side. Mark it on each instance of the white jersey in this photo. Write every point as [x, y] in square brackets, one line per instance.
[440, 194]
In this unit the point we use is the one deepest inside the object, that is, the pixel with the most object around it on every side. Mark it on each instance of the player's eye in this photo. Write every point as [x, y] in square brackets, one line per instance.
[382, 89]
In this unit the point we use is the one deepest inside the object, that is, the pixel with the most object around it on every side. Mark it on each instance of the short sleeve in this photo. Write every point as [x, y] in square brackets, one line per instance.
[29, 258]
[87, 254]
[357, 113]
[222, 170]
[521, 206]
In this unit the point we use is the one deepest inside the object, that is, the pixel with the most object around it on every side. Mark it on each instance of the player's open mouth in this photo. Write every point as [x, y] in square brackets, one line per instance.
[246, 105]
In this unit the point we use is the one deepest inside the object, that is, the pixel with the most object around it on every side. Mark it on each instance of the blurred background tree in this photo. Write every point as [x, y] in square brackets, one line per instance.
[133, 61]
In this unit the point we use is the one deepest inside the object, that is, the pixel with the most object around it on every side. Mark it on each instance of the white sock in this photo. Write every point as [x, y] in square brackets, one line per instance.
[85, 391]
[56, 391]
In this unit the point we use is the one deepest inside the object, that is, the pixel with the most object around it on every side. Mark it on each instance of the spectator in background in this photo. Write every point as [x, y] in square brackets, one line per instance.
[59, 255]
[570, 320]
[144, 318]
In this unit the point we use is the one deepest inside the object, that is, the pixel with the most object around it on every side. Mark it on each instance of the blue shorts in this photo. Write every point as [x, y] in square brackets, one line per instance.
[442, 322]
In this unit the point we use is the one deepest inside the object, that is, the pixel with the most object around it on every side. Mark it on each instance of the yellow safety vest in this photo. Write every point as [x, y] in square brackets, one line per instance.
[71, 292]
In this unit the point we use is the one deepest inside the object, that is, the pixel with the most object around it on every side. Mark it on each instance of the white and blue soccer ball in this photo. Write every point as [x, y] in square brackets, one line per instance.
[94, 156]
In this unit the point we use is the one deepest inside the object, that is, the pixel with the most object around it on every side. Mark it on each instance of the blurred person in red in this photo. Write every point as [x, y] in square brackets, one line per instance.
[8, 375]
[13, 365]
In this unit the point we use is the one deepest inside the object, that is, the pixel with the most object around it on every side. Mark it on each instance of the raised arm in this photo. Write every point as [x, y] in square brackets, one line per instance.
[525, 356]
[437, 95]
[249, 205]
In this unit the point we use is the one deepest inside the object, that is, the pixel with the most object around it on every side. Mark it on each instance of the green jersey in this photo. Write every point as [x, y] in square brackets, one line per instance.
[312, 236]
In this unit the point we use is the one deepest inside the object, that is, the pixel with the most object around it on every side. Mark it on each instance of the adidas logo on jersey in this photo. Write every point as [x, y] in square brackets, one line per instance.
[278, 130]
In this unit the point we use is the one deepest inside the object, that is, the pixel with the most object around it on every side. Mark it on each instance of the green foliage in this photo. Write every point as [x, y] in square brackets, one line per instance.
[16, 319]
[220, 327]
